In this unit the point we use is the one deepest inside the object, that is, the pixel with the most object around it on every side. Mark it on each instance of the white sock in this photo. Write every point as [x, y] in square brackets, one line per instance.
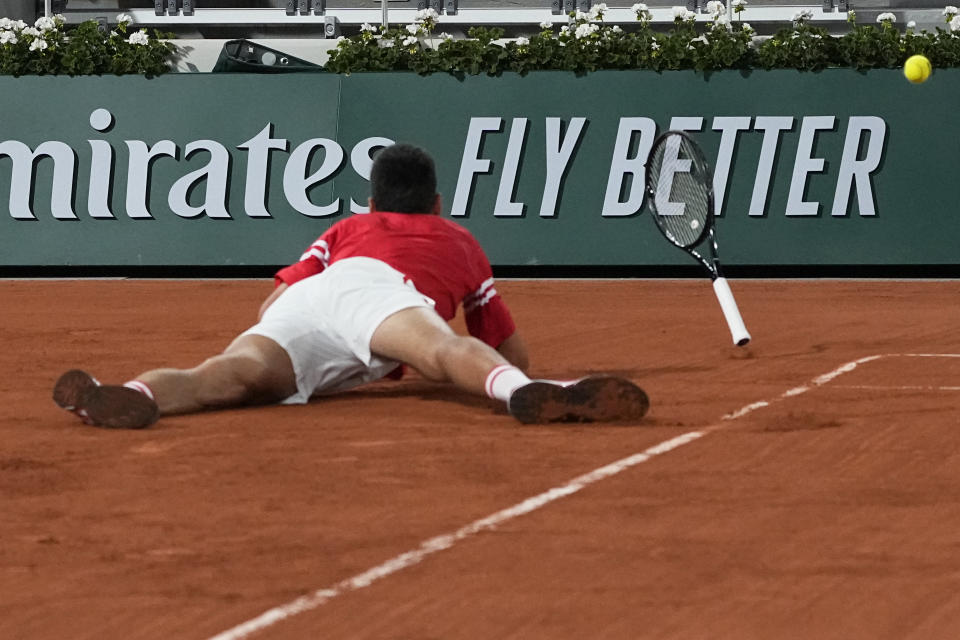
[504, 380]
[136, 385]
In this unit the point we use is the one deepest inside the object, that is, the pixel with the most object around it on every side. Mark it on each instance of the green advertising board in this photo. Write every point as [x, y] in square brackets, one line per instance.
[222, 170]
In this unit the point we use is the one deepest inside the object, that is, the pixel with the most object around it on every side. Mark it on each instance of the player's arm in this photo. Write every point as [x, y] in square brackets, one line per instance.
[514, 349]
[314, 260]
[487, 316]
[489, 320]
[280, 288]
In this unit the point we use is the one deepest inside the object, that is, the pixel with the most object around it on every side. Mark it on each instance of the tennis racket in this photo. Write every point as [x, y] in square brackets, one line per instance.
[680, 192]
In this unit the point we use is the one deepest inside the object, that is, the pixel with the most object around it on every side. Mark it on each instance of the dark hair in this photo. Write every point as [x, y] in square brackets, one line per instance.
[403, 179]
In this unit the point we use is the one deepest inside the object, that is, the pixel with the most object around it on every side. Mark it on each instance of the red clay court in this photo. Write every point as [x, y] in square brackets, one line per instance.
[806, 486]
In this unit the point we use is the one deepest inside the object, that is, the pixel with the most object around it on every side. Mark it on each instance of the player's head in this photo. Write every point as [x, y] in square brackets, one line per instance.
[403, 179]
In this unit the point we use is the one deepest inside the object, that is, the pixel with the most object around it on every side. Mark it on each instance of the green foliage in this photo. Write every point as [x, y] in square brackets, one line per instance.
[943, 53]
[475, 55]
[724, 48]
[417, 50]
[801, 46]
[587, 44]
[49, 48]
[867, 46]
[583, 45]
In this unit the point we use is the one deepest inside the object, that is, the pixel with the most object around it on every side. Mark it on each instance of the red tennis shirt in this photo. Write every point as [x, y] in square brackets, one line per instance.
[441, 258]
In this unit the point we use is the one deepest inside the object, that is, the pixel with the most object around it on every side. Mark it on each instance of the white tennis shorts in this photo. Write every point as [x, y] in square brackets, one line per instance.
[325, 323]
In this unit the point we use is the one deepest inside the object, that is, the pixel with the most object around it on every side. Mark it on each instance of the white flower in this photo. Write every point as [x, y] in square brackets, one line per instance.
[581, 31]
[427, 14]
[114, 34]
[616, 29]
[955, 24]
[803, 15]
[678, 12]
[949, 11]
[8, 37]
[886, 17]
[746, 26]
[912, 24]
[715, 7]
[30, 31]
[367, 27]
[585, 31]
[409, 41]
[38, 44]
[721, 21]
[123, 18]
[413, 29]
[580, 16]
[642, 12]
[446, 37]
[565, 30]
[139, 37]
[6, 24]
[654, 45]
[522, 42]
[44, 23]
[19, 25]
[639, 8]
[597, 11]
[738, 5]
[546, 24]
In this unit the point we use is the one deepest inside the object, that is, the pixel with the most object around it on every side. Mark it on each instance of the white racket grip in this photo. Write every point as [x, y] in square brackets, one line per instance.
[730, 311]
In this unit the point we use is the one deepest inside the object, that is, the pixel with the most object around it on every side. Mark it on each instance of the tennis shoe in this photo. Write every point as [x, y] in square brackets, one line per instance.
[109, 406]
[70, 386]
[592, 399]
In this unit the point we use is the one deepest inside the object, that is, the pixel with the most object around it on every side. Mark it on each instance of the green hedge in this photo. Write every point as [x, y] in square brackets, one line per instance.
[48, 47]
[585, 44]
[588, 44]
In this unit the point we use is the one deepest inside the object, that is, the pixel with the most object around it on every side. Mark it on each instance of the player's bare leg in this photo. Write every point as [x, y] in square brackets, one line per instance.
[252, 370]
[420, 337]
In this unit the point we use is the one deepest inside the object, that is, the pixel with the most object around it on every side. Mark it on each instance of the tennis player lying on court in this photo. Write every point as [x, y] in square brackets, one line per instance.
[374, 291]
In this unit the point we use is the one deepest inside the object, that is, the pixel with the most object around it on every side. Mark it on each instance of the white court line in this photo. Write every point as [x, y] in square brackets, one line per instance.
[446, 541]
[880, 387]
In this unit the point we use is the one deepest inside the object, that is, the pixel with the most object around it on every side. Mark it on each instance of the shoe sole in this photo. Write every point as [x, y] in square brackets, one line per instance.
[70, 387]
[108, 406]
[593, 399]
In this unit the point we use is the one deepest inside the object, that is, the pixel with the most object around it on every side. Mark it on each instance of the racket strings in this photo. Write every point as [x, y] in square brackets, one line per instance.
[680, 189]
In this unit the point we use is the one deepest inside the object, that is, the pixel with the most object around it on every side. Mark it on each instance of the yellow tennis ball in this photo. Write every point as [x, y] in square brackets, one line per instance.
[917, 69]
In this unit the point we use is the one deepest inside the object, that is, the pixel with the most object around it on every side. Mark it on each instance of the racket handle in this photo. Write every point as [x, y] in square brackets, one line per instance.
[730, 311]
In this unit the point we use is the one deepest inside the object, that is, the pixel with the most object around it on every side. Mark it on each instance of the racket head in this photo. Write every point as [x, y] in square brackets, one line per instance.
[679, 185]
